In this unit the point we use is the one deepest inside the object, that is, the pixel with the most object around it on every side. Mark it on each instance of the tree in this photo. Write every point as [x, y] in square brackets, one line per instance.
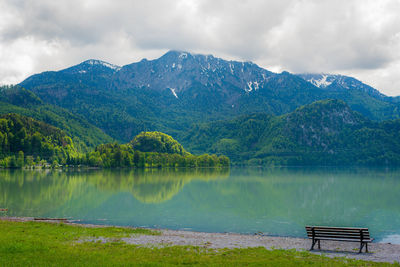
[20, 159]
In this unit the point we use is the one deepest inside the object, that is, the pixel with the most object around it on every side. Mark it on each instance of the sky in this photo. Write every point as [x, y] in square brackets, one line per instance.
[359, 38]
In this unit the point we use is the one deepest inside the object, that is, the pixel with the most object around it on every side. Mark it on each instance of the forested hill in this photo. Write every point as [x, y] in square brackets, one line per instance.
[157, 142]
[15, 99]
[169, 93]
[151, 149]
[323, 133]
[25, 140]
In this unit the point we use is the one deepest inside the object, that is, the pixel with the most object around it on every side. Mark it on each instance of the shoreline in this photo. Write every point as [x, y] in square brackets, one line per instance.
[378, 252]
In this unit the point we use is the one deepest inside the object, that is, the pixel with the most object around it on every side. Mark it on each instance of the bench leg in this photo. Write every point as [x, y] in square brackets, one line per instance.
[366, 247]
[313, 244]
[314, 241]
[361, 246]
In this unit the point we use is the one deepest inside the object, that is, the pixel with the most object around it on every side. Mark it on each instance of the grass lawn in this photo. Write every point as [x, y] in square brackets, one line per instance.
[48, 244]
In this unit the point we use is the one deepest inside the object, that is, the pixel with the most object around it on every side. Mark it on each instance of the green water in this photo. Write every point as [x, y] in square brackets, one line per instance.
[278, 201]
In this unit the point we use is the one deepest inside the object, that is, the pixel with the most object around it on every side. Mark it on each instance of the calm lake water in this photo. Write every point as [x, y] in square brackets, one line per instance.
[277, 201]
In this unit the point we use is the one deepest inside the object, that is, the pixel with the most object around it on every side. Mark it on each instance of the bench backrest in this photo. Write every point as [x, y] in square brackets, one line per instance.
[338, 232]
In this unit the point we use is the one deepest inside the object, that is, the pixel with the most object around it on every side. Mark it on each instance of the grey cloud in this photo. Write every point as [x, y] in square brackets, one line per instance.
[61, 20]
[334, 35]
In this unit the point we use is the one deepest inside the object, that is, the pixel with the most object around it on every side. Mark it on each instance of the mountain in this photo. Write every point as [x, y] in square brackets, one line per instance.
[172, 92]
[325, 132]
[15, 99]
[182, 70]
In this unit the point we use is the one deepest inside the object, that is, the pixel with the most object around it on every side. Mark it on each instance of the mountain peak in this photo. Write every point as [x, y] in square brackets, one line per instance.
[92, 66]
[180, 71]
[177, 52]
[180, 54]
[101, 63]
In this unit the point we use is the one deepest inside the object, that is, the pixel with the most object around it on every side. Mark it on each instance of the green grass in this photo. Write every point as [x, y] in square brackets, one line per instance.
[45, 244]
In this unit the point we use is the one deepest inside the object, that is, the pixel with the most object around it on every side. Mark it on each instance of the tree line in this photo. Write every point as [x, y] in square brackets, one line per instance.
[26, 142]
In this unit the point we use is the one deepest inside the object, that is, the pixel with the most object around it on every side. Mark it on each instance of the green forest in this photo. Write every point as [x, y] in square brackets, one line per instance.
[151, 149]
[326, 132]
[27, 142]
[15, 99]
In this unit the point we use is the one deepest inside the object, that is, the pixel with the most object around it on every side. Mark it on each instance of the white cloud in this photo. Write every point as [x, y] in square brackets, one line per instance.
[354, 37]
[24, 56]
[385, 79]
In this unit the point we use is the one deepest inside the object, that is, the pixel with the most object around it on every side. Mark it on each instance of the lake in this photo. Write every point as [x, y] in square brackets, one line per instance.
[274, 201]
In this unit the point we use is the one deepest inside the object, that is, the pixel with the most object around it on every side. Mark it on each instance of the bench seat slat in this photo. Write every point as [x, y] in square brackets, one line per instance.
[342, 232]
[342, 228]
[339, 236]
[338, 230]
[344, 239]
[347, 236]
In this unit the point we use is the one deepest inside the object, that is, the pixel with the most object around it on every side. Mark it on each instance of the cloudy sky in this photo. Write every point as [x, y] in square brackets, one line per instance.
[360, 38]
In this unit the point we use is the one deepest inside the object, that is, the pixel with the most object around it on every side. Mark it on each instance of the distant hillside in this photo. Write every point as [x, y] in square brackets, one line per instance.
[22, 136]
[323, 133]
[14, 99]
[168, 94]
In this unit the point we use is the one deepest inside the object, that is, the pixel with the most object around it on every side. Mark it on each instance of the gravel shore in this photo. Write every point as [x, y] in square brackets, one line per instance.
[380, 252]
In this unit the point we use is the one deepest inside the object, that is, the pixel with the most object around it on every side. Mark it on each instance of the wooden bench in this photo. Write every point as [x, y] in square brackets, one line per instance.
[347, 234]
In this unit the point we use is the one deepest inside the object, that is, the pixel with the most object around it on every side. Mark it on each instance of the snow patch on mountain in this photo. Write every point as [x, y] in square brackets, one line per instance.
[337, 82]
[183, 55]
[320, 83]
[173, 92]
[231, 66]
[102, 63]
[252, 86]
